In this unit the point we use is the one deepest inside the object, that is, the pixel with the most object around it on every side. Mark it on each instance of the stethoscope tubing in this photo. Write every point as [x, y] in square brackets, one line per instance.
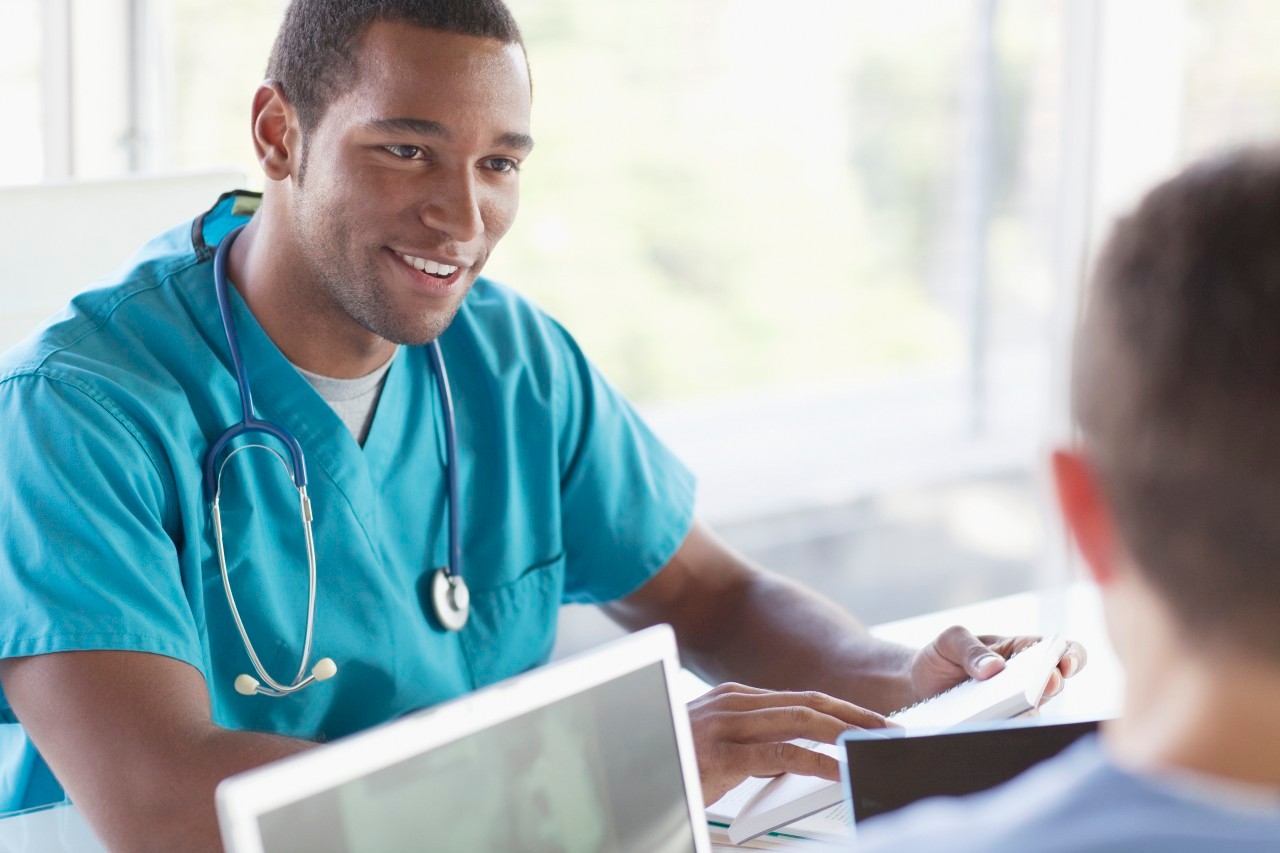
[452, 568]
[250, 424]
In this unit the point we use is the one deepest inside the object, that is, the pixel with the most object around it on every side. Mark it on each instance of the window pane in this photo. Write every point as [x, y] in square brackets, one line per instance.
[218, 51]
[1234, 74]
[21, 152]
[725, 198]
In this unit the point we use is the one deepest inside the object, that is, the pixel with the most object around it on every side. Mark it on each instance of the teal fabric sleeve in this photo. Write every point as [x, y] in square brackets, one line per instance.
[627, 502]
[25, 780]
[86, 560]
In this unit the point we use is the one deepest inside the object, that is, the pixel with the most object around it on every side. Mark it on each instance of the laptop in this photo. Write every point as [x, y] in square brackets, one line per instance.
[591, 753]
[886, 769]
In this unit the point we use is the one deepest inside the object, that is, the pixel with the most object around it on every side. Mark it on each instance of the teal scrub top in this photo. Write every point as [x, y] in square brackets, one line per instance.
[106, 416]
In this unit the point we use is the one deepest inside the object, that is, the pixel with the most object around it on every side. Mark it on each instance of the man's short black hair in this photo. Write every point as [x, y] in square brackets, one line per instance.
[314, 60]
[1177, 391]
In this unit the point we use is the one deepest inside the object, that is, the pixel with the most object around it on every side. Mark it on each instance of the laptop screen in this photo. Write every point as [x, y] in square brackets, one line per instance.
[593, 771]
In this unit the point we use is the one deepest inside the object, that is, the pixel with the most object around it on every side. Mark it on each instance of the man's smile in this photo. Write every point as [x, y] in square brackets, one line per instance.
[430, 267]
[434, 277]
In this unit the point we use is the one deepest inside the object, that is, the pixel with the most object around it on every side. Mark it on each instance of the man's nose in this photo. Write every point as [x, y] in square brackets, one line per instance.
[453, 207]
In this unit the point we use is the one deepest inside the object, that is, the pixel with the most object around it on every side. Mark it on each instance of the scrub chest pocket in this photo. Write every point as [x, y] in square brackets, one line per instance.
[512, 626]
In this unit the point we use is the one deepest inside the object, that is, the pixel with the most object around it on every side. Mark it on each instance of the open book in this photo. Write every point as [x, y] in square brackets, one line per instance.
[768, 804]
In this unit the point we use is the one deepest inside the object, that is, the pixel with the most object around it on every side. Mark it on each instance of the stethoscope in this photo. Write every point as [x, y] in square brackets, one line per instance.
[450, 598]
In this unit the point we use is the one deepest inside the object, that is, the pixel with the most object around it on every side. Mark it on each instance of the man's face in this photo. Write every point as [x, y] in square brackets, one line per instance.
[412, 178]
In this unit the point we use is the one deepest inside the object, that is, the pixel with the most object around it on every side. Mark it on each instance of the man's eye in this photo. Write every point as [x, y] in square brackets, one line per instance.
[404, 152]
[503, 164]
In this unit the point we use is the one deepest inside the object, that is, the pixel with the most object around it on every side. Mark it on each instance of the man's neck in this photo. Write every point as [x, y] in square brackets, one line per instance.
[1216, 714]
[264, 266]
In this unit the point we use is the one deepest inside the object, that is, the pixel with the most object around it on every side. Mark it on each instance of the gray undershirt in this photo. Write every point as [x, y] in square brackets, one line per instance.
[354, 400]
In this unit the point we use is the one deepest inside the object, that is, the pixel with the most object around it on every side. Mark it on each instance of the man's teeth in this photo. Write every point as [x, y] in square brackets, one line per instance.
[429, 267]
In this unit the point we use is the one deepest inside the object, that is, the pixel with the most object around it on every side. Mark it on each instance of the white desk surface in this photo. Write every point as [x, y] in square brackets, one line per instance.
[1072, 611]
[60, 829]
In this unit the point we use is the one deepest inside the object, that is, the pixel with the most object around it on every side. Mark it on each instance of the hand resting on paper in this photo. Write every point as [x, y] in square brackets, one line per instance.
[742, 731]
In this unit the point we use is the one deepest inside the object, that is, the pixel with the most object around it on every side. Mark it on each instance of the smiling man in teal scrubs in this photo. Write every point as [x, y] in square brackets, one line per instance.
[392, 137]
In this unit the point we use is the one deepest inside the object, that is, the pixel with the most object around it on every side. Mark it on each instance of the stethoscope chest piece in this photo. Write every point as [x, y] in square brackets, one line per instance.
[450, 599]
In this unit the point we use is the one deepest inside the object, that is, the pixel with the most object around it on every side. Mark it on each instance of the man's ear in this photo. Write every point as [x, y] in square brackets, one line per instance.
[277, 135]
[1085, 510]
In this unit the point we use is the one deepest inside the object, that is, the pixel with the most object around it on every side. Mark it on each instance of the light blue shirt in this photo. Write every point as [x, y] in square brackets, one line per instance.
[107, 542]
[1078, 801]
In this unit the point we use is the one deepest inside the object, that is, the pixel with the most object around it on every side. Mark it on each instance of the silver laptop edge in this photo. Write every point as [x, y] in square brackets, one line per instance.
[243, 798]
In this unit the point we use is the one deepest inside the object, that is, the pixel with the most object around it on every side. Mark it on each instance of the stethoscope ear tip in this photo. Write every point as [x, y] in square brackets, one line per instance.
[247, 685]
[324, 669]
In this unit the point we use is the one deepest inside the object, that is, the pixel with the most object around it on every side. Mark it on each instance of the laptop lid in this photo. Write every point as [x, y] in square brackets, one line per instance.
[886, 769]
[589, 753]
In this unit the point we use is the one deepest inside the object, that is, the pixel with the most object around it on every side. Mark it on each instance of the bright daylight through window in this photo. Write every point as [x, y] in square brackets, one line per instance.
[833, 253]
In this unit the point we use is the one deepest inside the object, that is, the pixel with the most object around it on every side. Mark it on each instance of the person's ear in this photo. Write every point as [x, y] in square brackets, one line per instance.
[277, 135]
[1085, 510]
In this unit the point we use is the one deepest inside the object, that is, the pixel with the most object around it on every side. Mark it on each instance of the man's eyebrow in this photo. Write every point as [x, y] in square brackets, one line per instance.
[415, 126]
[426, 127]
[519, 141]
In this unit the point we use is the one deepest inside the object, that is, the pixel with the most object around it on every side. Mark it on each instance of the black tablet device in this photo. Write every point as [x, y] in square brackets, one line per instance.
[891, 768]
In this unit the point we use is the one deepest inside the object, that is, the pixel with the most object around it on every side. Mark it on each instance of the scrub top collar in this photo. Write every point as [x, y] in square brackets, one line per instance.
[283, 395]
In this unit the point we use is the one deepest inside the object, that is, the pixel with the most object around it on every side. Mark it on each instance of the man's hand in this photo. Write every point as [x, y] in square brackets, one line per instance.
[957, 655]
[741, 731]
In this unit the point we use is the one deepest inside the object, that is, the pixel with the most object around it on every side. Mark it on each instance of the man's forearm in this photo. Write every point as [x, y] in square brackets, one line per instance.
[738, 622]
[131, 738]
[166, 803]
[773, 633]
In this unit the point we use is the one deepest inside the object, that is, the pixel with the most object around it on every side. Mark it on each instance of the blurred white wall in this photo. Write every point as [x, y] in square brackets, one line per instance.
[57, 238]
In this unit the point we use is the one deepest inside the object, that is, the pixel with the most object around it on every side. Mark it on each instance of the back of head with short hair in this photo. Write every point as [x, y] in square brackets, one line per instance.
[313, 58]
[1177, 391]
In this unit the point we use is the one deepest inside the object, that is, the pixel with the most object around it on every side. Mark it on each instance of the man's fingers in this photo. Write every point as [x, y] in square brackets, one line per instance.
[728, 687]
[741, 731]
[1073, 660]
[957, 653]
[773, 759]
[1053, 687]
[961, 647]
[791, 722]
[844, 712]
